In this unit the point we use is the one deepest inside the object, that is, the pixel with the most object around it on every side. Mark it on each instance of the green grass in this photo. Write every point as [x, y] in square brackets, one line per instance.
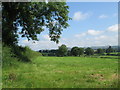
[62, 72]
[115, 53]
[110, 56]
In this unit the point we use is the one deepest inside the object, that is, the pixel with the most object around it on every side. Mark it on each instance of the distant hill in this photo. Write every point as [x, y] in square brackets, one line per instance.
[102, 47]
[105, 47]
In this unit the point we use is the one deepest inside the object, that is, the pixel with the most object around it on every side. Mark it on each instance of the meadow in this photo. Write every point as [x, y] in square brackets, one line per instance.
[30, 60]
[62, 72]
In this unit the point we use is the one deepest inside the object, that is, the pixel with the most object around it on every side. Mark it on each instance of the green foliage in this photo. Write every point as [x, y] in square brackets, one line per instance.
[81, 51]
[89, 51]
[45, 54]
[8, 57]
[76, 51]
[11, 55]
[100, 51]
[68, 53]
[32, 16]
[109, 50]
[30, 53]
[62, 51]
[24, 53]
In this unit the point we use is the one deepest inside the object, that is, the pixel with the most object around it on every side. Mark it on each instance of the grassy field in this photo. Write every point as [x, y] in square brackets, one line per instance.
[62, 72]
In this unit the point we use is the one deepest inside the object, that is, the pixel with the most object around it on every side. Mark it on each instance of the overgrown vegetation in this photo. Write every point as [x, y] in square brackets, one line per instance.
[12, 54]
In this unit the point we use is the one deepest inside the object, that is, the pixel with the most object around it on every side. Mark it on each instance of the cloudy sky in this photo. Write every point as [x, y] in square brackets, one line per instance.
[92, 24]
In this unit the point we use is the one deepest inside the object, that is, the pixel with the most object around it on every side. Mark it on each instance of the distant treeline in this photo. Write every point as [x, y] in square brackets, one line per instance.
[78, 51]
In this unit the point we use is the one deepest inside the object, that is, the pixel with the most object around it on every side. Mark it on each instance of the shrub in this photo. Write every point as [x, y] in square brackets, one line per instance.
[12, 54]
[8, 57]
[25, 53]
[30, 54]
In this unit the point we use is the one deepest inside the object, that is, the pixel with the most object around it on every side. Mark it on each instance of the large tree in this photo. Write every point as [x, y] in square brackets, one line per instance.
[81, 51]
[75, 51]
[89, 51]
[62, 51]
[32, 17]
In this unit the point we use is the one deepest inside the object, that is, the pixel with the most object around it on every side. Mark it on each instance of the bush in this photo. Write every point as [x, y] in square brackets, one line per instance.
[12, 54]
[8, 57]
[25, 53]
[30, 54]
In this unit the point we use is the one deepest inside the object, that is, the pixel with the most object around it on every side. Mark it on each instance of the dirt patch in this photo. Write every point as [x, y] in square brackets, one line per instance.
[114, 76]
[12, 76]
[101, 77]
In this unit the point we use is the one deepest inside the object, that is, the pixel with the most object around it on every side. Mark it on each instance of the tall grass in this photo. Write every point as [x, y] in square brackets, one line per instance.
[8, 57]
[12, 54]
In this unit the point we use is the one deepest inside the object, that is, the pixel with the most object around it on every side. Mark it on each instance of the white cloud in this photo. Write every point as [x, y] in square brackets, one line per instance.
[100, 37]
[94, 32]
[88, 38]
[107, 39]
[42, 44]
[64, 39]
[46, 37]
[80, 16]
[113, 28]
[103, 16]
[87, 41]
[89, 32]
[80, 35]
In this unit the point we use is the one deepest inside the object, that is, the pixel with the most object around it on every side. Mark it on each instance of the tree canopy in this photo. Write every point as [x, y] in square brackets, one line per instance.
[62, 51]
[89, 51]
[32, 17]
[81, 51]
[100, 51]
[76, 51]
